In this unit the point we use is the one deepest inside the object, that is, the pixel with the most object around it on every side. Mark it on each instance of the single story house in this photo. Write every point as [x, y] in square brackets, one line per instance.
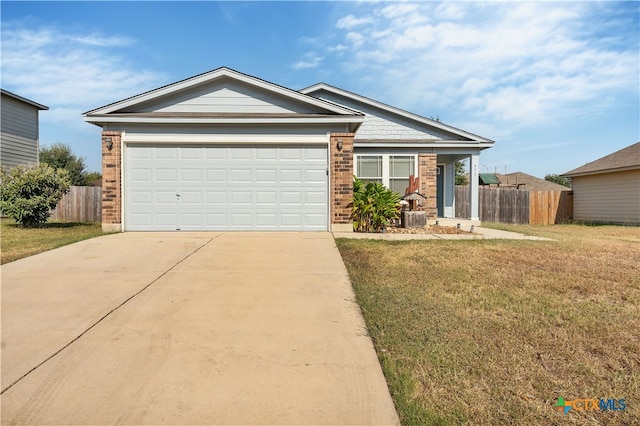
[607, 190]
[225, 150]
[19, 130]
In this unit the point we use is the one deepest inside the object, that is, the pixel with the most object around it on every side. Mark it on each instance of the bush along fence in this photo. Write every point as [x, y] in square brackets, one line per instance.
[80, 204]
[517, 206]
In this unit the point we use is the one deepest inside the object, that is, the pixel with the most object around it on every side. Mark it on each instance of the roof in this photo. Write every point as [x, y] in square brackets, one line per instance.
[528, 182]
[363, 99]
[25, 100]
[117, 111]
[489, 179]
[625, 159]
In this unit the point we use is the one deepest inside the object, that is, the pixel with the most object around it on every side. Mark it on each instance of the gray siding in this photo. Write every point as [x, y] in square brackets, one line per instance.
[607, 197]
[383, 125]
[225, 96]
[18, 133]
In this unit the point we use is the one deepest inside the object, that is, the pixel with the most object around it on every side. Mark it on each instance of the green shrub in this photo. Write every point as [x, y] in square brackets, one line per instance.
[30, 193]
[374, 206]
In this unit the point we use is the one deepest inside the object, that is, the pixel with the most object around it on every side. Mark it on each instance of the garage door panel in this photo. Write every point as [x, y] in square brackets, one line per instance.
[141, 175]
[241, 198]
[165, 198]
[242, 220]
[195, 153]
[215, 220]
[166, 175]
[291, 175]
[266, 198]
[216, 175]
[226, 188]
[240, 153]
[240, 176]
[217, 198]
[191, 175]
[167, 153]
[266, 176]
[268, 154]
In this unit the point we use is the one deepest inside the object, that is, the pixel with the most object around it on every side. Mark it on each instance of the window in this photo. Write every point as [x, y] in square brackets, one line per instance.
[391, 170]
[400, 168]
[369, 168]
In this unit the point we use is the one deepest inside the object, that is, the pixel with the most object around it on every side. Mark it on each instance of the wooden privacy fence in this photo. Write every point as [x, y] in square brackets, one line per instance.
[80, 204]
[507, 205]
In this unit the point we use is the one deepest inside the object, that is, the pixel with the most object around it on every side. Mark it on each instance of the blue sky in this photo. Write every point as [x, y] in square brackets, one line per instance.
[555, 84]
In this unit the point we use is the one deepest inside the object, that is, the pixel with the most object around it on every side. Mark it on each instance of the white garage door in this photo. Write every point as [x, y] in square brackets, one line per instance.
[226, 188]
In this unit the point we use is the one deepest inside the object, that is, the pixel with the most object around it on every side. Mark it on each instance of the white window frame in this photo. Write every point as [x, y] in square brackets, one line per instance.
[385, 163]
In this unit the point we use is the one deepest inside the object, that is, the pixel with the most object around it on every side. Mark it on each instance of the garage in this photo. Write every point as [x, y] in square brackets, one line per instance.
[169, 187]
[226, 151]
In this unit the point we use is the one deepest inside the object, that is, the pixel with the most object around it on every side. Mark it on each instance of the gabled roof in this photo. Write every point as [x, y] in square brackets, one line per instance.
[132, 109]
[528, 182]
[25, 100]
[388, 108]
[625, 159]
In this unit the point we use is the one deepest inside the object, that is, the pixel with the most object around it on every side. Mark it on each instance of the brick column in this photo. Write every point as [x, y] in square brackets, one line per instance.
[111, 184]
[427, 164]
[341, 185]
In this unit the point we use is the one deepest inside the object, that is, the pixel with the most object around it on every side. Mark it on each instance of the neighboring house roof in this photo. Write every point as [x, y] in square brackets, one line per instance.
[287, 105]
[460, 135]
[528, 182]
[625, 159]
[25, 100]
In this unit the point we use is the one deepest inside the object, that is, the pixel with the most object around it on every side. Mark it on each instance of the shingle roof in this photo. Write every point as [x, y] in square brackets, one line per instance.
[626, 159]
[530, 183]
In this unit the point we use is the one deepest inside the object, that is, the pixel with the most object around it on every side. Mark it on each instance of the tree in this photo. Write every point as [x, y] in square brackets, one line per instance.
[558, 179]
[30, 193]
[60, 156]
[461, 177]
[92, 177]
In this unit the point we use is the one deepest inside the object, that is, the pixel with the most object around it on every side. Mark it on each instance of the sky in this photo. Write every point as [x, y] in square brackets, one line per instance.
[554, 84]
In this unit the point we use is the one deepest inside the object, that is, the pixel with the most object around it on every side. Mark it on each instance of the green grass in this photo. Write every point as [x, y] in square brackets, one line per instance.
[493, 332]
[17, 242]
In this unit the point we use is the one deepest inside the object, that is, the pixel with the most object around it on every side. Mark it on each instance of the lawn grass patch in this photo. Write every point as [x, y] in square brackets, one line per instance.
[494, 331]
[18, 242]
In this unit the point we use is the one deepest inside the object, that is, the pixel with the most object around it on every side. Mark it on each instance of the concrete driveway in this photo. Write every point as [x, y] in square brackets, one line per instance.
[188, 328]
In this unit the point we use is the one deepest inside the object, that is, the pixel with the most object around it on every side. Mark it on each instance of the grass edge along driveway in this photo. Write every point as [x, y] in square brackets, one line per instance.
[494, 332]
[17, 243]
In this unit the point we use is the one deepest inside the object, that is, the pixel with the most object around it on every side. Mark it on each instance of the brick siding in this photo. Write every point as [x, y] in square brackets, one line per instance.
[427, 164]
[111, 184]
[341, 185]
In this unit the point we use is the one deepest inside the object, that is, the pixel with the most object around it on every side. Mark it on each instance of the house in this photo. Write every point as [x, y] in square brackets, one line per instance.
[19, 130]
[608, 189]
[520, 180]
[228, 151]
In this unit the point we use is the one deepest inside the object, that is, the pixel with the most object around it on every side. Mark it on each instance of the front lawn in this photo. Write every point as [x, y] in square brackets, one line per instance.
[17, 242]
[494, 332]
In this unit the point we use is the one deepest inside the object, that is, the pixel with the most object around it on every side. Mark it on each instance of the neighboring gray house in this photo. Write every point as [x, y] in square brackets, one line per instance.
[19, 129]
[228, 151]
[608, 189]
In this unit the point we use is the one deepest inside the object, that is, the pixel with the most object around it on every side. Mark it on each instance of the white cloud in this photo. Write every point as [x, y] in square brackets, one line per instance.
[310, 60]
[69, 72]
[511, 64]
[350, 21]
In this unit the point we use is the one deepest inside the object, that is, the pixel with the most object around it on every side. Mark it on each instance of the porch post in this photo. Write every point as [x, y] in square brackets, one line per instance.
[473, 185]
